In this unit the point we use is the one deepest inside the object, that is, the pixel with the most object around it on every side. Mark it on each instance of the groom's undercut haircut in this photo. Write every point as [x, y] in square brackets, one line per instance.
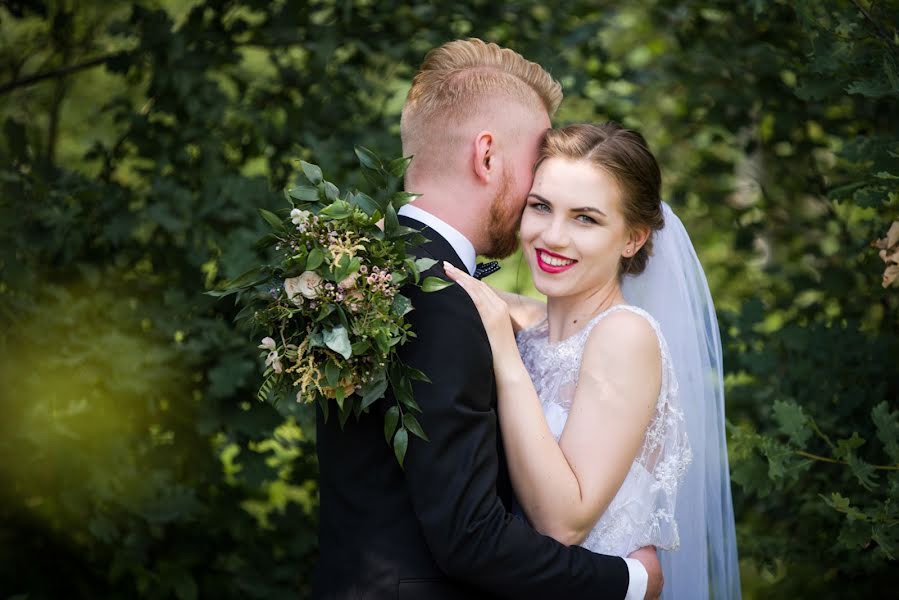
[460, 80]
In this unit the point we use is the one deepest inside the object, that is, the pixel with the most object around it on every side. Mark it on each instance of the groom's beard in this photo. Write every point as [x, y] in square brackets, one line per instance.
[503, 222]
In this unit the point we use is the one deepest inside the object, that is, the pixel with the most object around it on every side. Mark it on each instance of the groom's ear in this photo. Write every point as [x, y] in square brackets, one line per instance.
[484, 161]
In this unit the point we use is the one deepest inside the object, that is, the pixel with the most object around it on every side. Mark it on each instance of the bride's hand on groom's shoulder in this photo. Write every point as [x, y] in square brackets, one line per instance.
[493, 310]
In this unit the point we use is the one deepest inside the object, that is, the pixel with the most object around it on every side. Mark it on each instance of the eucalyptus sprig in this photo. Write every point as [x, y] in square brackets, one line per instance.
[331, 302]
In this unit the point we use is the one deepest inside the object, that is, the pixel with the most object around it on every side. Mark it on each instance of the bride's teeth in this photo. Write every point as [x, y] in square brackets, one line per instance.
[555, 262]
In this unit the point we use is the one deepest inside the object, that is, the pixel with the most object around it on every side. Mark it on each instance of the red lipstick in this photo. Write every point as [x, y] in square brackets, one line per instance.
[544, 266]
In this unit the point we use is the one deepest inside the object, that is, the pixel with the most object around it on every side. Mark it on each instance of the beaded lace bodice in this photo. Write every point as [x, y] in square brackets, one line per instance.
[642, 511]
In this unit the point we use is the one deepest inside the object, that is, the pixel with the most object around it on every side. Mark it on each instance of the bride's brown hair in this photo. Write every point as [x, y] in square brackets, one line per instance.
[624, 154]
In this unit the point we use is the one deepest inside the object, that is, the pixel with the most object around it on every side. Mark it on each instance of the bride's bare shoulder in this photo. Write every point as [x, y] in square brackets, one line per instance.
[524, 310]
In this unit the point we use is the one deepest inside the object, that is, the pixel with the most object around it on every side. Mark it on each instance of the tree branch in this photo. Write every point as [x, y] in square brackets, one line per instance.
[57, 73]
[877, 29]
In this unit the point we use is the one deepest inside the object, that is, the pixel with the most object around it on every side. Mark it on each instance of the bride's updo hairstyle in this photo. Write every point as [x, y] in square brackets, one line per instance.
[624, 154]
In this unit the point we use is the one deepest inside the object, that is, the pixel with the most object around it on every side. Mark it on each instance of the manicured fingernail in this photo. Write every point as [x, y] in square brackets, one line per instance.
[446, 265]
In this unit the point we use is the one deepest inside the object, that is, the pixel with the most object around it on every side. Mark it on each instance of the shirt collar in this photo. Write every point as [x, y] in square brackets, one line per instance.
[463, 248]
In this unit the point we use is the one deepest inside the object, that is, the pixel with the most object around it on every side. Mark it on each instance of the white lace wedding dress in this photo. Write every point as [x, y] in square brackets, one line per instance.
[642, 512]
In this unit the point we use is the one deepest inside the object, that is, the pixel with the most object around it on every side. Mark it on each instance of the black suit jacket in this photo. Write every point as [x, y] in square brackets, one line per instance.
[441, 528]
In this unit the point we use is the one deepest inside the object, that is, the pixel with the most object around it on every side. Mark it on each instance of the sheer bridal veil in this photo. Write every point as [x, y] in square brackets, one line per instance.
[673, 289]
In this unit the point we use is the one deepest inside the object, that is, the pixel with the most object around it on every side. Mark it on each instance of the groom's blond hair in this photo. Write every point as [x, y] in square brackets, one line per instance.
[463, 79]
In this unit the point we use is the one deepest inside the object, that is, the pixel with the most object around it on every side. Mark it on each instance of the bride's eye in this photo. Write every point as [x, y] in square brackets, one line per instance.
[586, 219]
[539, 206]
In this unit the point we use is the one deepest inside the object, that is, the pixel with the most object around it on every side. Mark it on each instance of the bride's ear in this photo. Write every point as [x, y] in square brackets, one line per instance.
[484, 159]
[636, 239]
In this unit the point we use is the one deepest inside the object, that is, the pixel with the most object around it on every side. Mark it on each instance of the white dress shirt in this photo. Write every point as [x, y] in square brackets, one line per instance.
[639, 578]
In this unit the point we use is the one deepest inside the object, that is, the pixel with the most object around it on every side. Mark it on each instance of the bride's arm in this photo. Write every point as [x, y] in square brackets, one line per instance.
[564, 487]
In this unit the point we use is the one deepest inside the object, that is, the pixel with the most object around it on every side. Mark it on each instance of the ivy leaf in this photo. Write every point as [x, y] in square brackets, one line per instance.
[401, 305]
[331, 191]
[792, 422]
[338, 340]
[400, 199]
[434, 284]
[312, 172]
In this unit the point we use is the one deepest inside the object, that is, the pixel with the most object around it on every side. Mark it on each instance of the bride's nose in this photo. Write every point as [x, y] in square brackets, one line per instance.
[556, 234]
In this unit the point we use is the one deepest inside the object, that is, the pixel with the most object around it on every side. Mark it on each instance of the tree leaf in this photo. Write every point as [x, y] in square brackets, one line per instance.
[793, 422]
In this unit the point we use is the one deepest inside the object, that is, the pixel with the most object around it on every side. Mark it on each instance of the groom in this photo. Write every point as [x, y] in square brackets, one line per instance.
[441, 527]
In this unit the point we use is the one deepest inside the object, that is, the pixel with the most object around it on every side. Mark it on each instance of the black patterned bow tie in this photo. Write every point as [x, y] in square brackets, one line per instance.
[484, 269]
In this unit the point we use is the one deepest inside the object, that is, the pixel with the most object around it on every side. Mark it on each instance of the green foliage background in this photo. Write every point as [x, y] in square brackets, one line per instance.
[139, 138]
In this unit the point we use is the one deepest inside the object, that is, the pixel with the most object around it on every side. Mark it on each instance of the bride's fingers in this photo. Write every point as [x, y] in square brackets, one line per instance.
[473, 287]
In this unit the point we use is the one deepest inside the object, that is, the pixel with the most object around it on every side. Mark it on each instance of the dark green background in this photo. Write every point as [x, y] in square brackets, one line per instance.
[139, 138]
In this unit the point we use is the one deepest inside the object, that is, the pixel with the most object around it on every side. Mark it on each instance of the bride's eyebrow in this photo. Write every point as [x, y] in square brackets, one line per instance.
[540, 198]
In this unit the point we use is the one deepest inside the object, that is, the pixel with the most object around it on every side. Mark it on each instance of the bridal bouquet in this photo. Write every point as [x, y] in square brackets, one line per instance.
[331, 302]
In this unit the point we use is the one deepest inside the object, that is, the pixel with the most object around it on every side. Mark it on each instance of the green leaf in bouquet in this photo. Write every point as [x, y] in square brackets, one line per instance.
[332, 373]
[365, 203]
[402, 387]
[382, 339]
[316, 340]
[360, 348]
[312, 172]
[413, 373]
[331, 191]
[345, 409]
[400, 199]
[401, 305]
[337, 210]
[434, 284]
[391, 223]
[391, 418]
[266, 241]
[397, 167]
[338, 340]
[274, 220]
[423, 264]
[245, 280]
[325, 406]
[315, 259]
[324, 312]
[304, 193]
[398, 278]
[368, 159]
[374, 390]
[400, 444]
[403, 231]
[411, 423]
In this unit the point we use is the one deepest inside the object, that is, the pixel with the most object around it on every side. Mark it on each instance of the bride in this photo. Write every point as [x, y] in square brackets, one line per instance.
[610, 395]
